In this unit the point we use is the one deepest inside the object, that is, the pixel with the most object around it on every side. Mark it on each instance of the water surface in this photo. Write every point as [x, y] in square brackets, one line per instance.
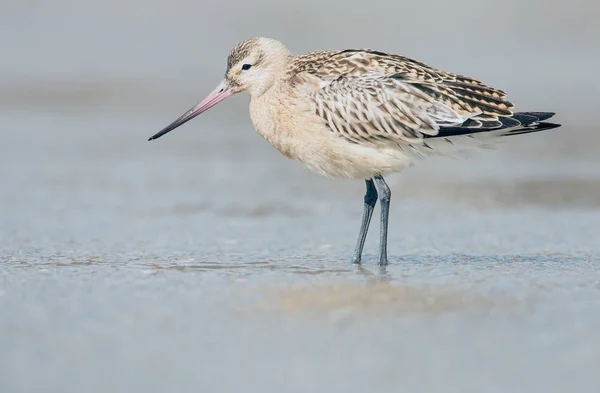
[205, 261]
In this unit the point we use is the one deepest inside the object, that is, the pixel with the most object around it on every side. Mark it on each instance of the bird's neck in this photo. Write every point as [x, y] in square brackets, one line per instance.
[273, 76]
[263, 113]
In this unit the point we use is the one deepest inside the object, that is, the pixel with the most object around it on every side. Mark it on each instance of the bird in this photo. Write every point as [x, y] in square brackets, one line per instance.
[363, 114]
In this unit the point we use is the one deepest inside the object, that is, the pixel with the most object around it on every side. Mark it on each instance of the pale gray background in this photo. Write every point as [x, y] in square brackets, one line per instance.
[205, 261]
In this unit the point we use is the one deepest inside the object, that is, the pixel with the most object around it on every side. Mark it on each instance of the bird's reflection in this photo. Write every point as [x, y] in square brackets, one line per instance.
[379, 274]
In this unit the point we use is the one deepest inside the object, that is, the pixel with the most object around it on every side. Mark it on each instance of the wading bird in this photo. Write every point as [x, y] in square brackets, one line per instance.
[363, 114]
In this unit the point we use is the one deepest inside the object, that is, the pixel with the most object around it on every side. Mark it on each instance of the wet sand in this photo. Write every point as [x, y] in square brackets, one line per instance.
[135, 266]
[205, 261]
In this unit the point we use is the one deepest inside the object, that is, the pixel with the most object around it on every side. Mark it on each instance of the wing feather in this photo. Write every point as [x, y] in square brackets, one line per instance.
[380, 109]
[368, 96]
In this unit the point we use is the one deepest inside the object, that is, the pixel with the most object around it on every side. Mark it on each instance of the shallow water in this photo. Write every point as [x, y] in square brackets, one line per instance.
[205, 261]
[135, 266]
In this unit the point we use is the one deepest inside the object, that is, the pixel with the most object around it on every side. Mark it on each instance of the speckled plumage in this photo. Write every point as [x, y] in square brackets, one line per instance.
[396, 108]
[360, 113]
[369, 96]
[363, 114]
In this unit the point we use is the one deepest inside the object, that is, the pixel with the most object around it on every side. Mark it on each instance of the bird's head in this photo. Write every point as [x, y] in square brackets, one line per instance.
[253, 66]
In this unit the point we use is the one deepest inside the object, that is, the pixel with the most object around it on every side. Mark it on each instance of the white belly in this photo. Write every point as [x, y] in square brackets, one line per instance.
[339, 158]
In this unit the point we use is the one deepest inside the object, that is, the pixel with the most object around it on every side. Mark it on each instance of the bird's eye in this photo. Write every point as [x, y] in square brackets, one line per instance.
[246, 67]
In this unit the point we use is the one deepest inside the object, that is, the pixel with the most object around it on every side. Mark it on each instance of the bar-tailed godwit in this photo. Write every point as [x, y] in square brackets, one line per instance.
[363, 114]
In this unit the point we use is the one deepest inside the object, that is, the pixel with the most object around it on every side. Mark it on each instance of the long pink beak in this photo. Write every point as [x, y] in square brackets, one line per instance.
[219, 94]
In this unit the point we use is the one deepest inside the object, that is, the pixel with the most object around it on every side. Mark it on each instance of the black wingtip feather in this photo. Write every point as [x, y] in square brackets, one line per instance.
[518, 123]
[541, 116]
[525, 118]
[536, 128]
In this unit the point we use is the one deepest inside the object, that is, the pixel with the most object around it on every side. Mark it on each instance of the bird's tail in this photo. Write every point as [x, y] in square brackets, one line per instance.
[532, 122]
[519, 123]
[455, 141]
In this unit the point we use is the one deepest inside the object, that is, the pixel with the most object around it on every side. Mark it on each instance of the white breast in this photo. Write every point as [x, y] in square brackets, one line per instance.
[301, 135]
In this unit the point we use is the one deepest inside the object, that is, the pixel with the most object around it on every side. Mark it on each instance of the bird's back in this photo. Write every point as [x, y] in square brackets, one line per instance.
[460, 92]
[373, 97]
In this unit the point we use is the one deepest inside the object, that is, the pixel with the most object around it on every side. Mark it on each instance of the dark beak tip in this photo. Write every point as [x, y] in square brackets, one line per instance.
[157, 135]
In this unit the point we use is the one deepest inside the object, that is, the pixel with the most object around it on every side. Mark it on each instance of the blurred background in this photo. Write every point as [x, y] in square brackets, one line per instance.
[124, 262]
[92, 80]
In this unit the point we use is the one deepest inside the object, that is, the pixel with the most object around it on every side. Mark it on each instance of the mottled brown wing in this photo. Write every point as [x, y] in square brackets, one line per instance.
[384, 109]
[367, 95]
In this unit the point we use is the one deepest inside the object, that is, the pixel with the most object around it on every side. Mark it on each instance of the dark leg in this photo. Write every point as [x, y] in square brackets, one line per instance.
[384, 202]
[370, 201]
